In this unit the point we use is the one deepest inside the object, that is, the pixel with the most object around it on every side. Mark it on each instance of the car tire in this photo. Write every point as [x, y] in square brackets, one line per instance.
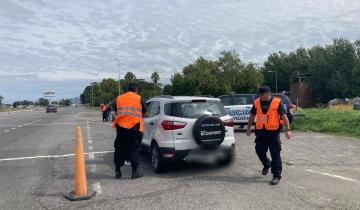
[157, 163]
[227, 159]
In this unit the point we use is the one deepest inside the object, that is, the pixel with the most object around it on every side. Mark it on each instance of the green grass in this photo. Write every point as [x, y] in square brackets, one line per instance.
[341, 122]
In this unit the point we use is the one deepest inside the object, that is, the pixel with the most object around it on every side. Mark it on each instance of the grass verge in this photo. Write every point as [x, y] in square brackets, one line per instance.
[342, 122]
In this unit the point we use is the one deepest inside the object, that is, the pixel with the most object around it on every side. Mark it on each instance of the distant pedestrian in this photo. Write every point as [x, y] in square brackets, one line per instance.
[129, 128]
[103, 109]
[270, 114]
[108, 112]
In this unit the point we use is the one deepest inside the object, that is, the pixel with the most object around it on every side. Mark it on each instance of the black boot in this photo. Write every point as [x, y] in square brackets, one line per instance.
[136, 174]
[265, 171]
[275, 180]
[118, 174]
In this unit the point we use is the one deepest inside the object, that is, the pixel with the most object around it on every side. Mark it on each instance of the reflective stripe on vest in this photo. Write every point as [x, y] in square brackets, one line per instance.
[128, 108]
[129, 111]
[271, 120]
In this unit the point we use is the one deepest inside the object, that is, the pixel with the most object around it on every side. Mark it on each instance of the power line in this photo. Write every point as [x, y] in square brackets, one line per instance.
[289, 37]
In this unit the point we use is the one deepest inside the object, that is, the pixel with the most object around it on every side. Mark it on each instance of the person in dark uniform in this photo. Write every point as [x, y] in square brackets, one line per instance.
[270, 115]
[129, 126]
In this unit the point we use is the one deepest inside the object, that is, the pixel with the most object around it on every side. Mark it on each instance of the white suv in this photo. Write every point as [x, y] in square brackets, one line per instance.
[180, 125]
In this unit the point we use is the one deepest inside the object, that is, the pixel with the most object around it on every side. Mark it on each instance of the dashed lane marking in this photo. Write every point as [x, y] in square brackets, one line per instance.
[91, 147]
[91, 156]
[6, 131]
[333, 175]
[53, 156]
[90, 141]
[13, 128]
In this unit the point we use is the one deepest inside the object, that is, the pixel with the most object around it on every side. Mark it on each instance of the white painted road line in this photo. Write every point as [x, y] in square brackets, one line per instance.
[6, 131]
[333, 175]
[91, 147]
[20, 126]
[91, 156]
[53, 156]
[93, 168]
[96, 187]
[90, 141]
[13, 128]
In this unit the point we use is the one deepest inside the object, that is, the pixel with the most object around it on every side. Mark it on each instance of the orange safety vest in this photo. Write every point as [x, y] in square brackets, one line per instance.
[129, 111]
[103, 107]
[271, 120]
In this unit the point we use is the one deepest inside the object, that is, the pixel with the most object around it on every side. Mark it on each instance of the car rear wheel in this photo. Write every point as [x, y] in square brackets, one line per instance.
[156, 159]
[227, 159]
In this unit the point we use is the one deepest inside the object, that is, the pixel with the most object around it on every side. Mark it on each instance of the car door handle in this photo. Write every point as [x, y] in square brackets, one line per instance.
[151, 123]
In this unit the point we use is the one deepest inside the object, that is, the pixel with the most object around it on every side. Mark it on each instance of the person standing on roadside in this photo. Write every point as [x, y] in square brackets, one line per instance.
[103, 109]
[129, 126]
[108, 112]
[270, 114]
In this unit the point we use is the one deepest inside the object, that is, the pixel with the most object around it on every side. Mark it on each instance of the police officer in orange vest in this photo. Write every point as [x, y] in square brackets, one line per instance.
[270, 114]
[130, 110]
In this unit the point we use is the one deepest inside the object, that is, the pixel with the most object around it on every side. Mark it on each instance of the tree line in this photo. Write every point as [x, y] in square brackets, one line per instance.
[108, 89]
[41, 102]
[334, 71]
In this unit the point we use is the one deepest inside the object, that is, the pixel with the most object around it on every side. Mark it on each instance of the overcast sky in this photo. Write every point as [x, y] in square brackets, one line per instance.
[63, 45]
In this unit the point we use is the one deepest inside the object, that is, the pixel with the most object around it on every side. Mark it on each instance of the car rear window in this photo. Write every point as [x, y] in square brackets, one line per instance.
[194, 110]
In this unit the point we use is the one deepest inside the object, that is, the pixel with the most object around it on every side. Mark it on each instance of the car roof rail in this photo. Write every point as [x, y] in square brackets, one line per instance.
[164, 96]
[208, 96]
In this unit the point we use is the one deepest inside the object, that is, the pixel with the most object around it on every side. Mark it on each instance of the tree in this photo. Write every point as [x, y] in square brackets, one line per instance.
[129, 77]
[1, 98]
[64, 102]
[43, 102]
[155, 78]
[207, 77]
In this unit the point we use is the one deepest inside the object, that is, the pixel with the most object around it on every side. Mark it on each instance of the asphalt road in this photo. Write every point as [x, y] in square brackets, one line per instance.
[319, 172]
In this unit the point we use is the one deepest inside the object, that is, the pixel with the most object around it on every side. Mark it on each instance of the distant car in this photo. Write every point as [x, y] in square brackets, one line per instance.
[51, 108]
[181, 126]
[238, 106]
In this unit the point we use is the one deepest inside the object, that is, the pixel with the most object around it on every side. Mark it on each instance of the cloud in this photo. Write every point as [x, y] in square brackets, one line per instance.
[67, 41]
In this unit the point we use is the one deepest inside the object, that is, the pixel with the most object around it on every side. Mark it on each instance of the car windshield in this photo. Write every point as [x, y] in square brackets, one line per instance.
[242, 99]
[284, 99]
[195, 109]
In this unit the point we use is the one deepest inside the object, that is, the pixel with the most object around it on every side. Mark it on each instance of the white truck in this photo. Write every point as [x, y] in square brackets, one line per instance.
[238, 106]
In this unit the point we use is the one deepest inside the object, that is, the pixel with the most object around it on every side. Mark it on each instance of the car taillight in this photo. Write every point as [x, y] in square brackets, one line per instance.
[172, 125]
[290, 106]
[229, 123]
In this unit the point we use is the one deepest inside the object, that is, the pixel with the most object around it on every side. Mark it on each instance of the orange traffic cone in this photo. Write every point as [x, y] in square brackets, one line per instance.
[80, 192]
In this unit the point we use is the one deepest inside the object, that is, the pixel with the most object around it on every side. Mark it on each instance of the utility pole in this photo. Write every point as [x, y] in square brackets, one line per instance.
[276, 80]
[118, 69]
[92, 94]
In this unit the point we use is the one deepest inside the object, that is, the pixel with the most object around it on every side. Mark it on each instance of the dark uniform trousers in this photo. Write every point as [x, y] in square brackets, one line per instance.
[127, 144]
[273, 143]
